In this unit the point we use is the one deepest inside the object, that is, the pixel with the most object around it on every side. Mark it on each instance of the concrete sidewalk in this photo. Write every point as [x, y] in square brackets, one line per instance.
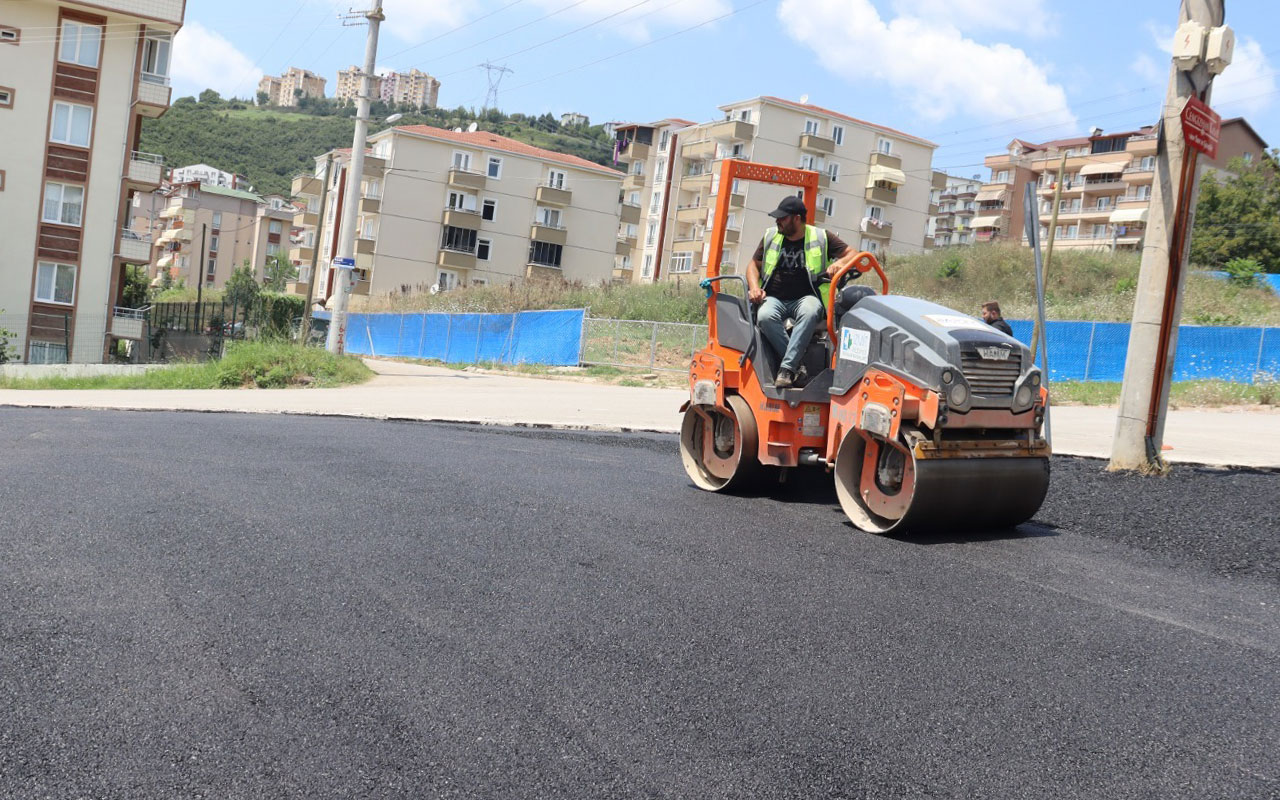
[415, 392]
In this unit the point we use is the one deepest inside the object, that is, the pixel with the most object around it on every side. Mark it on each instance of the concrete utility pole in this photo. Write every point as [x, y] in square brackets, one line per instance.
[304, 330]
[1153, 338]
[351, 202]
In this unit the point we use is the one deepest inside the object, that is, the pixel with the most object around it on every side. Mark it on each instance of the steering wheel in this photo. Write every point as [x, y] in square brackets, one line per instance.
[862, 262]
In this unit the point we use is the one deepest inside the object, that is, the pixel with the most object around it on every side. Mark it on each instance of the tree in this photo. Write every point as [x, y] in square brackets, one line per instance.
[136, 289]
[1238, 215]
[263, 97]
[242, 288]
[211, 98]
[278, 273]
[6, 350]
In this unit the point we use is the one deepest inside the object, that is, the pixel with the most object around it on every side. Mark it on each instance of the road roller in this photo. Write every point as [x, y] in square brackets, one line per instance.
[928, 418]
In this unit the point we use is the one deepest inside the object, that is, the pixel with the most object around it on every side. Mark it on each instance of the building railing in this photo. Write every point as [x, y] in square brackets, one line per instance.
[149, 158]
[122, 312]
[553, 225]
[155, 77]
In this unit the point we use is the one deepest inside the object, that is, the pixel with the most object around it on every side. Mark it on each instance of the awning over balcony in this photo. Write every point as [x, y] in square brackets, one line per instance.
[1102, 169]
[1129, 215]
[992, 193]
[879, 172]
[989, 221]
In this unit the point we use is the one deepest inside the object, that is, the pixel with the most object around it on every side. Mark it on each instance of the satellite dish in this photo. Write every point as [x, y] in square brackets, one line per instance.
[457, 130]
[804, 99]
[472, 127]
[435, 288]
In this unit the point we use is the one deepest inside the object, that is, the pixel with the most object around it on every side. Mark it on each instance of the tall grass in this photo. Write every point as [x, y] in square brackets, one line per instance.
[1081, 286]
[268, 364]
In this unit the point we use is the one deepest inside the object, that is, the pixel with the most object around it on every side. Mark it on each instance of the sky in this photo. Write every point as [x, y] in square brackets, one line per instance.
[968, 75]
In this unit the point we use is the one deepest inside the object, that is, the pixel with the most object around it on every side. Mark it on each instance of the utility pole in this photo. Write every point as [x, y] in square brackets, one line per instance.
[345, 259]
[1153, 337]
[1048, 255]
[304, 330]
[200, 257]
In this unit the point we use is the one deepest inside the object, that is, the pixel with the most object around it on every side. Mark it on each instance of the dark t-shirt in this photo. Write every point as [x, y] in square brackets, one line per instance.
[999, 324]
[790, 279]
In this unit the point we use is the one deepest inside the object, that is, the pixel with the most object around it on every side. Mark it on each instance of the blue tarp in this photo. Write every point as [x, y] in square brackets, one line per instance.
[1267, 278]
[526, 337]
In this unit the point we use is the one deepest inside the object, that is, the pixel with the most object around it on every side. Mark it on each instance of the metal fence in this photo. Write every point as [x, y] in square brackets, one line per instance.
[640, 343]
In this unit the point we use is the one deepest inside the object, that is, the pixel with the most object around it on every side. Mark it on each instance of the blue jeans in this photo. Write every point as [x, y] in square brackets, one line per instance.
[806, 313]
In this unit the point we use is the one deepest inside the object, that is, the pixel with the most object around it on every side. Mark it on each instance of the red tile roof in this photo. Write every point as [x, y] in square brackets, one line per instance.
[821, 110]
[493, 141]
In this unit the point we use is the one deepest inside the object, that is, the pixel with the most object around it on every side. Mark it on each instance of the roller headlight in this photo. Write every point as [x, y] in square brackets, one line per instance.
[958, 395]
[1023, 397]
[947, 376]
[1035, 379]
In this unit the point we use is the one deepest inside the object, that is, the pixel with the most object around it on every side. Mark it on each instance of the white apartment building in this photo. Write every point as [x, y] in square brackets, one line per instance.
[441, 208]
[210, 176]
[647, 154]
[72, 100]
[874, 189]
[952, 206]
[293, 84]
[414, 88]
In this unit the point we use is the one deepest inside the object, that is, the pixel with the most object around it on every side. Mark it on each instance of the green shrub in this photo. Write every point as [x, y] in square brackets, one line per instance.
[950, 267]
[1243, 271]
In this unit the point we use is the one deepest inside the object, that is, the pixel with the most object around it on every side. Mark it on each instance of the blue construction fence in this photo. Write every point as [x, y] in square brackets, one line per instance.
[1267, 279]
[1095, 351]
[525, 337]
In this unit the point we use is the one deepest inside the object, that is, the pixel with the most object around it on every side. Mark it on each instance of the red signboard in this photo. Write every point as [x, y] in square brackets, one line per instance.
[1201, 127]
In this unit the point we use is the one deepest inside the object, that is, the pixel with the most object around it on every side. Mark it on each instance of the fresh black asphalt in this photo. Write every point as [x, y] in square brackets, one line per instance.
[227, 606]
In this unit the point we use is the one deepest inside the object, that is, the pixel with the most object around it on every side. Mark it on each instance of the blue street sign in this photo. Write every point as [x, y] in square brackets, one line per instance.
[344, 263]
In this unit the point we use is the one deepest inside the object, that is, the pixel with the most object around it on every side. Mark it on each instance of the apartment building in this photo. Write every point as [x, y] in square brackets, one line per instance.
[441, 208]
[1106, 187]
[412, 88]
[293, 84]
[71, 104]
[874, 187]
[347, 87]
[649, 155]
[206, 232]
[953, 205]
[209, 175]
[572, 119]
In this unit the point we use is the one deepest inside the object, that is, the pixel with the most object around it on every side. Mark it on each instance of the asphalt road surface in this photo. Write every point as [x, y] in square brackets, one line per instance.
[225, 606]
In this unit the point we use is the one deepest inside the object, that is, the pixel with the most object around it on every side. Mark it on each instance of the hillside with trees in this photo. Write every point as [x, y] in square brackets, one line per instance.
[270, 145]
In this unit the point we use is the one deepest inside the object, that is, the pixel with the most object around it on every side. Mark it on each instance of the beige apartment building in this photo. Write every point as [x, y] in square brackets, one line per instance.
[953, 205]
[874, 190]
[206, 232]
[72, 99]
[294, 83]
[412, 88]
[1106, 188]
[441, 208]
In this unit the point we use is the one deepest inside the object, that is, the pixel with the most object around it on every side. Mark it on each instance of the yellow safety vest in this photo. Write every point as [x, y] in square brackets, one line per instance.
[815, 258]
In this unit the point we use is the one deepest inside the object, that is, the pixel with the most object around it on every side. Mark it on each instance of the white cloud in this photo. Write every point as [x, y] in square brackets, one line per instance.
[415, 20]
[1248, 85]
[1030, 17]
[203, 59]
[1147, 69]
[937, 70]
[638, 23]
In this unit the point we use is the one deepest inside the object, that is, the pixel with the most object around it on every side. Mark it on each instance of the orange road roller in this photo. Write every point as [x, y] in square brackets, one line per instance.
[928, 418]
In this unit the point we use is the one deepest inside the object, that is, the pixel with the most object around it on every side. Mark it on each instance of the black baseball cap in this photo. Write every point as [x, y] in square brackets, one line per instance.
[789, 207]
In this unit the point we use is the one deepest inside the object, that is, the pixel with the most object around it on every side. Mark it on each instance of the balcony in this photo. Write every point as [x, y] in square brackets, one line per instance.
[374, 167]
[879, 194]
[169, 11]
[737, 200]
[128, 323]
[696, 181]
[732, 235]
[302, 252]
[370, 205]
[1146, 144]
[949, 194]
[1138, 174]
[691, 214]
[928, 243]
[819, 216]
[306, 186]
[456, 259]
[633, 181]
[629, 214]
[700, 150]
[551, 234]
[817, 144]
[144, 171]
[634, 151]
[933, 209]
[551, 196]
[134, 247]
[824, 180]
[624, 245]
[939, 180]
[304, 219]
[885, 160]
[731, 130]
[542, 272]
[298, 287]
[461, 218]
[365, 245]
[466, 179]
[971, 190]
[176, 234]
[690, 240]
[876, 228]
[153, 95]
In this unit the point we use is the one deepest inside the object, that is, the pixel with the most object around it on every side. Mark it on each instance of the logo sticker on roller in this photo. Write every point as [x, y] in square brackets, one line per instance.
[855, 345]
[953, 321]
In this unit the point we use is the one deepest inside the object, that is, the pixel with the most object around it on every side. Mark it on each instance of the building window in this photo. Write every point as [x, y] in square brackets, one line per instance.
[637, 168]
[369, 228]
[495, 167]
[664, 139]
[1099, 231]
[650, 234]
[745, 115]
[555, 178]
[875, 212]
[55, 283]
[489, 210]
[1148, 162]
[828, 205]
[6, 97]
[446, 280]
[63, 203]
[884, 146]
[461, 160]
[681, 263]
[461, 201]
[273, 249]
[812, 162]
[647, 269]
[1002, 176]
[483, 246]
[9, 35]
[273, 226]
[1248, 158]
[71, 124]
[837, 134]
[812, 127]
[833, 172]
[373, 189]
[462, 240]
[80, 43]
[213, 243]
[869, 245]
[313, 205]
[155, 57]
[47, 353]
[655, 203]
[545, 254]
[549, 217]
[659, 169]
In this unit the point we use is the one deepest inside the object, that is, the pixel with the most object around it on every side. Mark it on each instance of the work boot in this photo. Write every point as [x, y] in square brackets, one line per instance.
[785, 380]
[802, 376]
